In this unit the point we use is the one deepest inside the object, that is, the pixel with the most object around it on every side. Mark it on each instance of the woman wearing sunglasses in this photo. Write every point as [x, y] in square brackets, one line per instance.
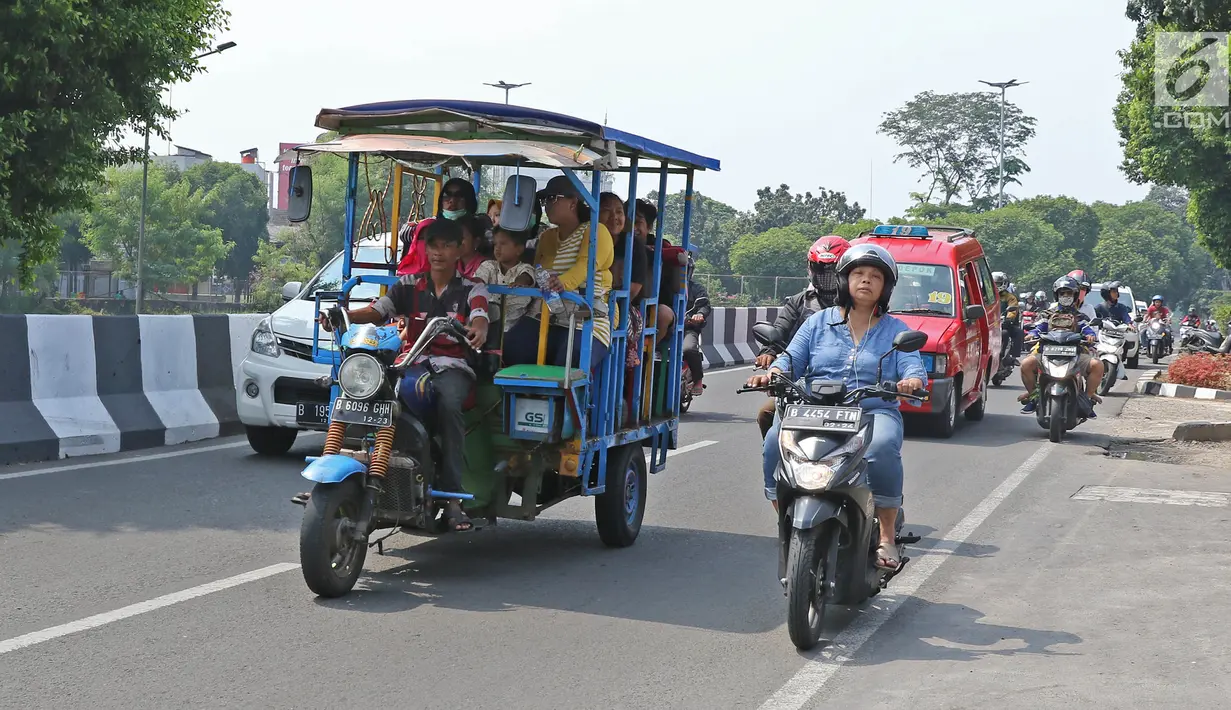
[457, 200]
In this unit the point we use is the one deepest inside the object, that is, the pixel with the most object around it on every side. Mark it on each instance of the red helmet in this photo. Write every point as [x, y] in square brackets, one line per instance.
[827, 250]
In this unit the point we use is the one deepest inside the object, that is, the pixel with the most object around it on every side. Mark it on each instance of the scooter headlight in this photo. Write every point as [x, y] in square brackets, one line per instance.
[813, 475]
[360, 376]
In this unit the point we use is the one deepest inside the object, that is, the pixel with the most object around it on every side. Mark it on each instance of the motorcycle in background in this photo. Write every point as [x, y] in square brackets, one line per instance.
[1112, 336]
[686, 395]
[1200, 340]
[1007, 361]
[1062, 389]
[1154, 339]
[827, 527]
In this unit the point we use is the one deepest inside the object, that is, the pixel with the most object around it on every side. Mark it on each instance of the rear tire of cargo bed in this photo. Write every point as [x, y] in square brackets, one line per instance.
[271, 440]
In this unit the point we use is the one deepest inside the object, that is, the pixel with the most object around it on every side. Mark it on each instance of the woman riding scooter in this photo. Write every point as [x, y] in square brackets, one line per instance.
[846, 343]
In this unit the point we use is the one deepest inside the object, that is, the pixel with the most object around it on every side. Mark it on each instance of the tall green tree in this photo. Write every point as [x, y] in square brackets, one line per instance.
[1184, 147]
[714, 225]
[1149, 247]
[237, 203]
[954, 139]
[1076, 221]
[1020, 243]
[73, 76]
[781, 208]
[180, 248]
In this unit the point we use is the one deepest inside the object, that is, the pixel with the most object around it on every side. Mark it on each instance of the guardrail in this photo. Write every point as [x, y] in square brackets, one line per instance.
[81, 385]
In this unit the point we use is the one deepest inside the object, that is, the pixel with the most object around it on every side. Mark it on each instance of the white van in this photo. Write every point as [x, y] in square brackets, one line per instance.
[278, 395]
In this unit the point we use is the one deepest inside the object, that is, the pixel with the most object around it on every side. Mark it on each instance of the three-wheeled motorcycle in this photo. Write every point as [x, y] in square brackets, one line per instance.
[537, 433]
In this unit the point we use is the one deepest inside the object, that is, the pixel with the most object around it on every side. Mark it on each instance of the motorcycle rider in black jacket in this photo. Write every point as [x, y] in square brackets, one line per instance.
[693, 326]
[821, 293]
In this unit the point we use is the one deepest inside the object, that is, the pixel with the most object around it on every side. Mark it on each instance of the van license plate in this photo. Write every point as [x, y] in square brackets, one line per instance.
[813, 418]
[378, 413]
[312, 413]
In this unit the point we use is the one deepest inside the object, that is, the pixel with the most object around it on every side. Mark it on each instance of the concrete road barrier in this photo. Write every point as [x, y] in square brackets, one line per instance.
[81, 385]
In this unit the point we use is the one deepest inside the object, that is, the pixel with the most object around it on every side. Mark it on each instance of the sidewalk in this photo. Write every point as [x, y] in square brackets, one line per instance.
[1099, 584]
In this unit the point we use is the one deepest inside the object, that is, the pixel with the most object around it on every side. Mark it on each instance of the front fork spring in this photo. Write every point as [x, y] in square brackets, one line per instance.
[333, 438]
[379, 464]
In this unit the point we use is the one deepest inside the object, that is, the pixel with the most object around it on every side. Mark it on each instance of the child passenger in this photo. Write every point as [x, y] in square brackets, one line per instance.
[474, 237]
[508, 269]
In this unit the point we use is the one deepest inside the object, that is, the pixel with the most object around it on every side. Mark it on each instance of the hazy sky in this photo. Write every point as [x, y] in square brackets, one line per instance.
[788, 91]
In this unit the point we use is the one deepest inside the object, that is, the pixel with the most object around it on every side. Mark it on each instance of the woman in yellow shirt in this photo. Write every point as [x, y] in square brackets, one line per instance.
[564, 250]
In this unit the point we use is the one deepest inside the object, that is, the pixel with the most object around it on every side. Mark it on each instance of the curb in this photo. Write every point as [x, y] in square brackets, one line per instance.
[1203, 431]
[1150, 385]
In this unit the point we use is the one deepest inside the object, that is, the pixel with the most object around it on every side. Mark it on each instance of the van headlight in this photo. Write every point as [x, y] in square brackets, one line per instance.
[360, 376]
[263, 340]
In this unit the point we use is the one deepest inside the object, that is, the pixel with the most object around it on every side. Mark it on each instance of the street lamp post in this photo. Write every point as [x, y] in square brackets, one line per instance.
[1003, 86]
[502, 84]
[145, 185]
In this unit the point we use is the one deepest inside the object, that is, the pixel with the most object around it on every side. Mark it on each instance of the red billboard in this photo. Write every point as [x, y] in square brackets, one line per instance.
[284, 173]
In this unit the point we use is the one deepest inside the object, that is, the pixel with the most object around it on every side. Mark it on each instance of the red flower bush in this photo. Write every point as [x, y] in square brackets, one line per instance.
[1201, 370]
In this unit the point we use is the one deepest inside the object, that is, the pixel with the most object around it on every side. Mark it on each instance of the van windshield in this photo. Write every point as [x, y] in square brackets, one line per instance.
[330, 277]
[923, 289]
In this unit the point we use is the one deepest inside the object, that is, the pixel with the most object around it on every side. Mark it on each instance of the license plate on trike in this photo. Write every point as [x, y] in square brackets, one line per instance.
[312, 413]
[1060, 350]
[811, 417]
[376, 413]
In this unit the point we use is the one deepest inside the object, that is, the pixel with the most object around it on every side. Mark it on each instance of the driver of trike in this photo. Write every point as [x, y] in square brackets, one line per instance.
[846, 343]
[443, 291]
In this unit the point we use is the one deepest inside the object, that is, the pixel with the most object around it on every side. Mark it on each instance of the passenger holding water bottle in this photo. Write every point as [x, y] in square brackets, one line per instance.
[562, 256]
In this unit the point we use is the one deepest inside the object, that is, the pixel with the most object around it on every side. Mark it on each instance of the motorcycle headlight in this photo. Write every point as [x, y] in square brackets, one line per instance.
[812, 475]
[360, 376]
[263, 340]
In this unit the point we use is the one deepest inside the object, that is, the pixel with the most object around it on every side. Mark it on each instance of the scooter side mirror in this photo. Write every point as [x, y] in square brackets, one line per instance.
[767, 336]
[909, 341]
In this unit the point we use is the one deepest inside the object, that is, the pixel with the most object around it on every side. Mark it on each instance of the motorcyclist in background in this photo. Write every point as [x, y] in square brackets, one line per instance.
[1111, 306]
[1040, 300]
[1191, 319]
[1158, 309]
[1065, 290]
[821, 293]
[1010, 311]
[693, 326]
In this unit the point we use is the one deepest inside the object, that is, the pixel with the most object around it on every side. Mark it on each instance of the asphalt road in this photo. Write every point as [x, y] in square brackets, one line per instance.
[1005, 602]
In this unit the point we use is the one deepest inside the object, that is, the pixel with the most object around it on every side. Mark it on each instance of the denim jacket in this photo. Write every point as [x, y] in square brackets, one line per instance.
[823, 349]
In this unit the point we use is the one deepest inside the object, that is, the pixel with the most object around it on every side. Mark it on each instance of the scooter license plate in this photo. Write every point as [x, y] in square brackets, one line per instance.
[1060, 350]
[816, 418]
[378, 413]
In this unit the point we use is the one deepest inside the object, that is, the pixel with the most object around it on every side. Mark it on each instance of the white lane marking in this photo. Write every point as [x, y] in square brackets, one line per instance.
[93, 622]
[811, 679]
[728, 369]
[685, 449]
[1117, 494]
[130, 459]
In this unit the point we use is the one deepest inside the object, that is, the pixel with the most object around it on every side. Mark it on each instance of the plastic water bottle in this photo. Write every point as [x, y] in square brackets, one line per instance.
[555, 304]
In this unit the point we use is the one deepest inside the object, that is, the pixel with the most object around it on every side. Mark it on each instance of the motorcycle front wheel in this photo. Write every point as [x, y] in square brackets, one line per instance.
[1055, 410]
[330, 558]
[1109, 377]
[807, 564]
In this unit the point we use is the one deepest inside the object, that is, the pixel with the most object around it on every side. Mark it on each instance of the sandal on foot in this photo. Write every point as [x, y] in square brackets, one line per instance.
[457, 520]
[887, 556]
[301, 498]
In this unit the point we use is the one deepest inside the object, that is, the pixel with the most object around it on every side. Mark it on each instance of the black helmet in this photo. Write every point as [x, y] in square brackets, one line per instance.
[866, 255]
[1107, 288]
[1063, 283]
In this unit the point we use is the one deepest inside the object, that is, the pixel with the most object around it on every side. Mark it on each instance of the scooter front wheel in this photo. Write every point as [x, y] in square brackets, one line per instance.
[331, 559]
[807, 564]
[1056, 428]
